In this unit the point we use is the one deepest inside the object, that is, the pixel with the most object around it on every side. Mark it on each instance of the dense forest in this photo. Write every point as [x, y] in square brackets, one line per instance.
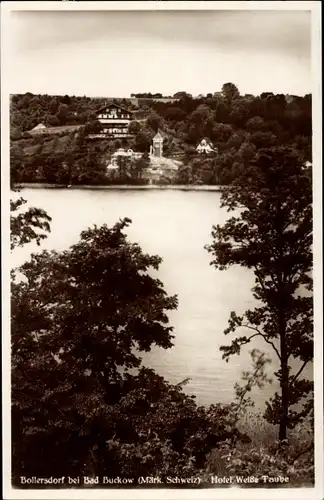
[238, 125]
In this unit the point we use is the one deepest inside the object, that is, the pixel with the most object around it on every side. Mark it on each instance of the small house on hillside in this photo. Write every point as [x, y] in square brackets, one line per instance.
[39, 129]
[206, 146]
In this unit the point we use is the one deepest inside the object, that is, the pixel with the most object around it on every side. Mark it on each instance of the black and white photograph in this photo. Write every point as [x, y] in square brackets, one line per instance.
[162, 260]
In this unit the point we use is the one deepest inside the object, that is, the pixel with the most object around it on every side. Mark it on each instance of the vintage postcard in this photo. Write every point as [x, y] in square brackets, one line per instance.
[162, 250]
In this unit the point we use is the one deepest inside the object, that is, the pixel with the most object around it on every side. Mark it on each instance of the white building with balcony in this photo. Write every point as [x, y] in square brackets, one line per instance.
[122, 153]
[129, 153]
[114, 122]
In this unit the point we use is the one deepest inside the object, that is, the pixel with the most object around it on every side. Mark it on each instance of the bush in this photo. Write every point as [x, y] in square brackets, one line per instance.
[264, 455]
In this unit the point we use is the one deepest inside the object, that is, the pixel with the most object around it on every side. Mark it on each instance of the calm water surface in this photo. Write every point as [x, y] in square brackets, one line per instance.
[175, 225]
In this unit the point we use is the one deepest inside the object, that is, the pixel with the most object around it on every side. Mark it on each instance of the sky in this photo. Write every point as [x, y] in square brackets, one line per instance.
[115, 53]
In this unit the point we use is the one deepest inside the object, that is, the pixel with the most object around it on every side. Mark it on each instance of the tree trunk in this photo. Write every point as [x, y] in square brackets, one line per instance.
[284, 381]
[70, 174]
[284, 403]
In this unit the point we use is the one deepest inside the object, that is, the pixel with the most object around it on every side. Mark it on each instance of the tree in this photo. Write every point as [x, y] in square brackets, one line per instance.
[181, 94]
[15, 133]
[235, 141]
[140, 165]
[52, 121]
[272, 235]
[221, 132]
[16, 163]
[62, 114]
[53, 106]
[154, 121]
[80, 319]
[222, 110]
[25, 226]
[143, 139]
[184, 175]
[263, 139]
[246, 152]
[66, 100]
[255, 124]
[174, 114]
[93, 127]
[134, 127]
[230, 91]
[200, 115]
[93, 329]
[124, 164]
[240, 111]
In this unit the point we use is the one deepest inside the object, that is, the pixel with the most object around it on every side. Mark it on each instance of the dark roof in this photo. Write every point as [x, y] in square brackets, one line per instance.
[161, 133]
[209, 142]
[112, 104]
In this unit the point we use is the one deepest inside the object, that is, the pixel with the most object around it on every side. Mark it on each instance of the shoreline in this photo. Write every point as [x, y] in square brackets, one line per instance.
[31, 185]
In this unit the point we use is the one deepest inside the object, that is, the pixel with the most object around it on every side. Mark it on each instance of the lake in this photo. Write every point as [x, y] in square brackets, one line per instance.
[175, 225]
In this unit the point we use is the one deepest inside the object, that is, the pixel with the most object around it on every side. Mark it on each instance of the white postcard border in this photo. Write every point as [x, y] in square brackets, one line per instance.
[165, 494]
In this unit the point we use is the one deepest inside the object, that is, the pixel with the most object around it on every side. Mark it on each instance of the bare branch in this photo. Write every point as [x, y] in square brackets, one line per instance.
[263, 336]
[300, 370]
[248, 340]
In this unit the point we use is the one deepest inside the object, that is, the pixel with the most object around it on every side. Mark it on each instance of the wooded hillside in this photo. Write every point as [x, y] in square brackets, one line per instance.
[238, 125]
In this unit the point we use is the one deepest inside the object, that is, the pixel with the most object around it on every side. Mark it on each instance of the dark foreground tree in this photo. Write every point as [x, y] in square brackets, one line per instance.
[271, 234]
[80, 319]
[28, 225]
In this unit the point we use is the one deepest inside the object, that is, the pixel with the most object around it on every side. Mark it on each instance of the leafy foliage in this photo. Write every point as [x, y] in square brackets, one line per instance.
[81, 402]
[272, 462]
[25, 226]
[260, 455]
[68, 159]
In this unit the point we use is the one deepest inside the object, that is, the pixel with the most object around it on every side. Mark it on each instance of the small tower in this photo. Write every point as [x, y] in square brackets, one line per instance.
[157, 149]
